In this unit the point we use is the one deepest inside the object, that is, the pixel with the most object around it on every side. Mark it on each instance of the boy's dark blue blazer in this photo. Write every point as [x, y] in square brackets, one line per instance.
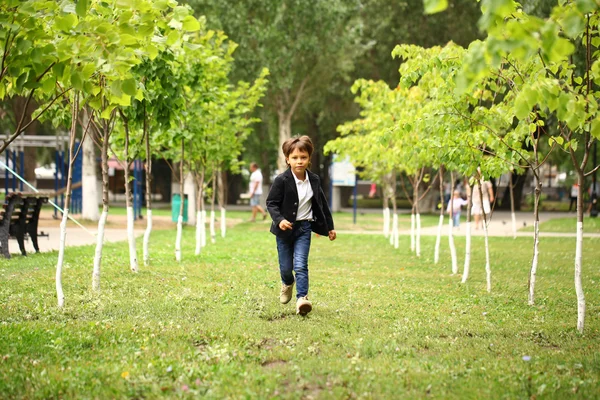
[282, 203]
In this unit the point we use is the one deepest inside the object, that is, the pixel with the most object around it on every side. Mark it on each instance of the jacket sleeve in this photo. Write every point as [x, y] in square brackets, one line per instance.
[326, 210]
[275, 200]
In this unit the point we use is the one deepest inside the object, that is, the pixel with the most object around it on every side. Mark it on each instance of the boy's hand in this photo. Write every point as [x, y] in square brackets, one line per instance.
[285, 225]
[332, 235]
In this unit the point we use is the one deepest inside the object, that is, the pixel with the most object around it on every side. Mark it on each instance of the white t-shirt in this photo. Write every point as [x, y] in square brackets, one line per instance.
[305, 195]
[256, 176]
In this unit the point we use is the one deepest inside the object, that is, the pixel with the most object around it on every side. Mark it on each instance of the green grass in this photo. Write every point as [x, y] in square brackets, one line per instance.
[385, 323]
[567, 225]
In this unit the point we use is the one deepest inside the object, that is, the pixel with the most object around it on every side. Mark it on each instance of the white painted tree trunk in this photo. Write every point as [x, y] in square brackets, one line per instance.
[488, 268]
[452, 247]
[89, 185]
[204, 228]
[199, 226]
[412, 230]
[131, 239]
[386, 222]
[418, 239]
[213, 232]
[396, 234]
[578, 285]
[223, 222]
[534, 262]
[438, 239]
[147, 237]
[60, 295]
[467, 264]
[512, 207]
[178, 238]
[98, 252]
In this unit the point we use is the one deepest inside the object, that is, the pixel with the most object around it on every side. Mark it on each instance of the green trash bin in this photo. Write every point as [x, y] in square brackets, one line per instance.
[175, 204]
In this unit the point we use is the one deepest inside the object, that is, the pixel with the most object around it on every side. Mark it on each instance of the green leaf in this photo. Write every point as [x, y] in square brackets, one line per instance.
[573, 23]
[128, 40]
[66, 23]
[191, 24]
[172, 38]
[435, 6]
[129, 87]
[595, 129]
[77, 80]
[586, 6]
[532, 127]
[81, 8]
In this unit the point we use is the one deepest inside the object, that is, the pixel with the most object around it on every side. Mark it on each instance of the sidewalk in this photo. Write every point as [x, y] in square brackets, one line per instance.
[115, 231]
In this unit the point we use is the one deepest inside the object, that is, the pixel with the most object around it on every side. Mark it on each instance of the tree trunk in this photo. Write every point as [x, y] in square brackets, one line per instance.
[213, 232]
[181, 206]
[438, 239]
[513, 216]
[133, 265]
[105, 205]
[467, 264]
[148, 231]
[220, 198]
[199, 216]
[285, 132]
[536, 238]
[518, 185]
[451, 233]
[488, 268]
[89, 208]
[63, 225]
[579, 255]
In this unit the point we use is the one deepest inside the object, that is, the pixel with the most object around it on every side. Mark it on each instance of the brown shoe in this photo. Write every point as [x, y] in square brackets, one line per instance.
[286, 293]
[303, 306]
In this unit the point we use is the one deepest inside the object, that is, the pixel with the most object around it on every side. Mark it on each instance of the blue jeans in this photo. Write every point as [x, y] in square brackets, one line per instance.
[456, 219]
[293, 256]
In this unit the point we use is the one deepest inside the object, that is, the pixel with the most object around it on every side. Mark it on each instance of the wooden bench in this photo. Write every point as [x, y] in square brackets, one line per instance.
[19, 219]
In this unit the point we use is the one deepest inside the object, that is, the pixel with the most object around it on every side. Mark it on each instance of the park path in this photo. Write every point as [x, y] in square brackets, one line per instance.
[115, 231]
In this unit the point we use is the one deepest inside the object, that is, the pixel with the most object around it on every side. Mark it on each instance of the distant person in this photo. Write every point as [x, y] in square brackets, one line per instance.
[256, 180]
[454, 208]
[298, 207]
[574, 194]
[481, 204]
[447, 191]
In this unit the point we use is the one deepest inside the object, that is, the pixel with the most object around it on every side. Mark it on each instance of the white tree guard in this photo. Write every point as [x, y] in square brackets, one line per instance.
[60, 295]
[578, 285]
[452, 247]
[147, 233]
[131, 239]
[178, 238]
[98, 252]
[467, 264]
[438, 240]
[534, 262]
[223, 222]
[213, 232]
[199, 226]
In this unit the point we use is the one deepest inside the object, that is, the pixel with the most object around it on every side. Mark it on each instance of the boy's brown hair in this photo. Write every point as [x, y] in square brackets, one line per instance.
[302, 143]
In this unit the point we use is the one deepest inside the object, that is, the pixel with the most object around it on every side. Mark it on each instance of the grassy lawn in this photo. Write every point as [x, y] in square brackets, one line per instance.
[569, 225]
[385, 324]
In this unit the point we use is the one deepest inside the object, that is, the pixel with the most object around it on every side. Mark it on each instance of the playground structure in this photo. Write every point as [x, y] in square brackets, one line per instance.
[15, 156]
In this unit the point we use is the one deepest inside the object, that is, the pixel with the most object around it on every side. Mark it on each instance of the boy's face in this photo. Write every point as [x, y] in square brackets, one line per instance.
[298, 161]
